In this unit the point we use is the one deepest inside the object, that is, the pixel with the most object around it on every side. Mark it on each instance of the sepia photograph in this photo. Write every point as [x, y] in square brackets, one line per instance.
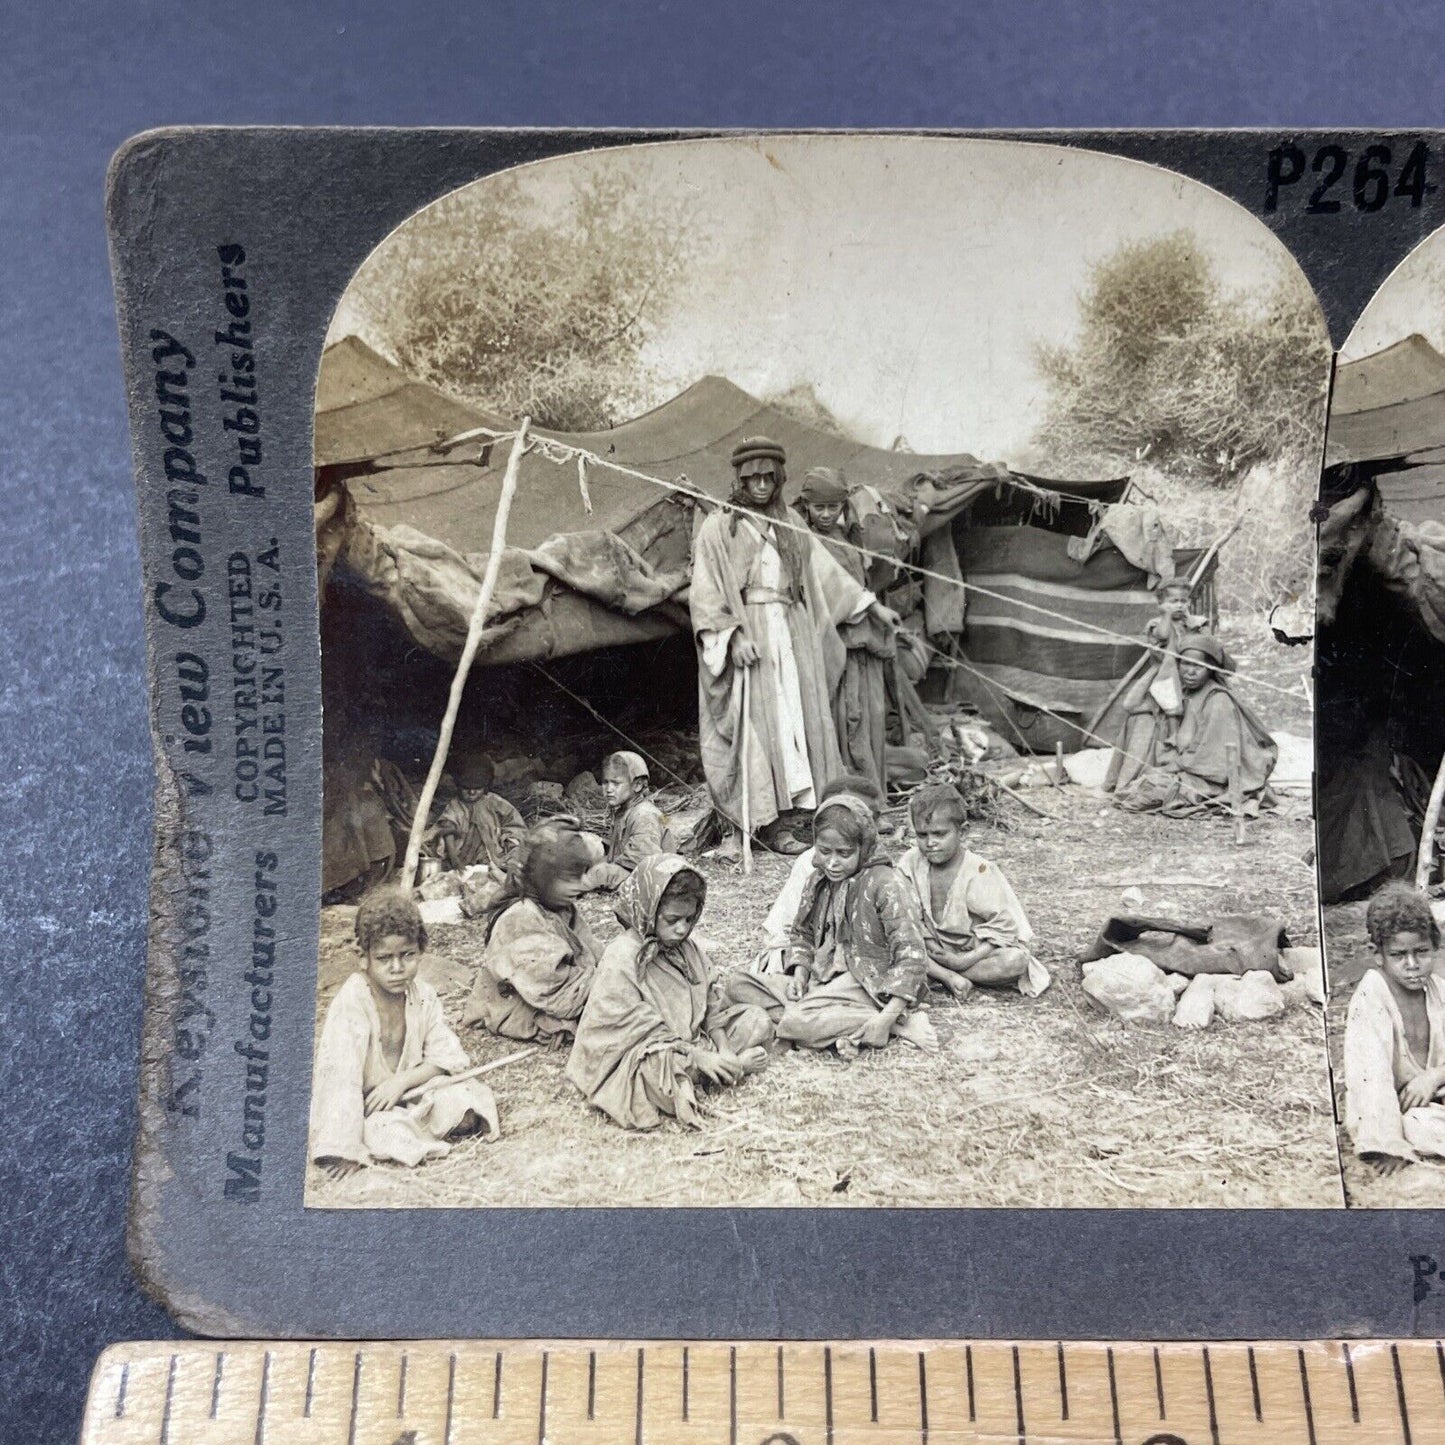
[817, 667]
[1381, 721]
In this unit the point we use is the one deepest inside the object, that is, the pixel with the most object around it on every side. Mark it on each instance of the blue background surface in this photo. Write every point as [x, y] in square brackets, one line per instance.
[76, 80]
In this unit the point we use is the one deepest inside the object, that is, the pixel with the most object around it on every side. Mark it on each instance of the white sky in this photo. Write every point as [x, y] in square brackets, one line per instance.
[906, 278]
[1412, 298]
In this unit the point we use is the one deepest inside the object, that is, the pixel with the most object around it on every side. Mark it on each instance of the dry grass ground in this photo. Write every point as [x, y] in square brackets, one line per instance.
[1028, 1103]
[1347, 956]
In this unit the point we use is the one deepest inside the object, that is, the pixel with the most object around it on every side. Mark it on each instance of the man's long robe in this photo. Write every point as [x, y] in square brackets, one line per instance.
[792, 744]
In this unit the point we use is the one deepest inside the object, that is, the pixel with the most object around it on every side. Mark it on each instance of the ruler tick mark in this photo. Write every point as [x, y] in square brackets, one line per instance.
[265, 1397]
[1254, 1387]
[782, 1394]
[1350, 1381]
[733, 1395]
[1063, 1386]
[451, 1399]
[355, 1397]
[592, 1383]
[1400, 1392]
[1209, 1396]
[828, 1393]
[872, 1385]
[968, 1370]
[1304, 1382]
[923, 1396]
[401, 1389]
[120, 1391]
[542, 1404]
[166, 1408]
[1114, 1396]
[1159, 1383]
[637, 1434]
[1019, 1398]
[496, 1386]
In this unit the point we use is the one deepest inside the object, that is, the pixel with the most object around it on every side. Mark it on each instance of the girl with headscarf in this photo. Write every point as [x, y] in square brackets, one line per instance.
[1187, 771]
[857, 966]
[540, 955]
[860, 705]
[655, 1027]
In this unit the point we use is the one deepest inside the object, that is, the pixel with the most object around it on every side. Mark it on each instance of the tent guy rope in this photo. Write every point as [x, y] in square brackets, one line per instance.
[565, 454]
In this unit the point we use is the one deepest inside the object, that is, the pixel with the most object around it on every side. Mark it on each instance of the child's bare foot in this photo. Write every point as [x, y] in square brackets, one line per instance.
[847, 1050]
[959, 986]
[754, 1059]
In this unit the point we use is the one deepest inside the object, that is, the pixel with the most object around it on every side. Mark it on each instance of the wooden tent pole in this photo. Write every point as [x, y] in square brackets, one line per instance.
[1195, 578]
[469, 651]
[1426, 855]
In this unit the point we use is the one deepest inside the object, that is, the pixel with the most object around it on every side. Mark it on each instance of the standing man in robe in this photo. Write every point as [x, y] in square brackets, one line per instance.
[767, 599]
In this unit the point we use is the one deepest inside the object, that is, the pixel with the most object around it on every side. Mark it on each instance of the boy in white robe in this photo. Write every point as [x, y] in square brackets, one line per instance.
[1395, 1037]
[383, 1045]
[974, 927]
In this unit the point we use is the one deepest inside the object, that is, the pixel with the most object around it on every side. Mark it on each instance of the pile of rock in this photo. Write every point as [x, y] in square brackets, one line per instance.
[1136, 990]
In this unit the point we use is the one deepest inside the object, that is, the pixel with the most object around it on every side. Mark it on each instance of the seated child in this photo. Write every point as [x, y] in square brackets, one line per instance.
[779, 922]
[1395, 1037]
[655, 1026]
[540, 955]
[974, 927]
[638, 830]
[856, 965]
[476, 826]
[385, 1036]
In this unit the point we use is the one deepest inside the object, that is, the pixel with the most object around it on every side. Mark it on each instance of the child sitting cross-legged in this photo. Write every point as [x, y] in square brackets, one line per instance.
[383, 1041]
[540, 956]
[975, 928]
[856, 966]
[638, 828]
[1395, 1037]
[655, 1026]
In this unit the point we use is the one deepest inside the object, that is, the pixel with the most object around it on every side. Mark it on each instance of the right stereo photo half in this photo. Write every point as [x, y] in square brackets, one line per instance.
[1380, 738]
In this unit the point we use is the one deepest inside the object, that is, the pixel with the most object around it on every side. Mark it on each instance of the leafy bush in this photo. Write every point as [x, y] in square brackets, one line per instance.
[488, 296]
[1170, 368]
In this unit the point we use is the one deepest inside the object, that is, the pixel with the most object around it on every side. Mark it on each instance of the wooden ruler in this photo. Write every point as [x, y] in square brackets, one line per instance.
[925, 1393]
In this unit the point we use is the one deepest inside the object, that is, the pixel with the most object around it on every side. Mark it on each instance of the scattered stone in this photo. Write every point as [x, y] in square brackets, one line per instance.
[547, 799]
[1132, 899]
[1308, 967]
[1248, 999]
[440, 910]
[1195, 1009]
[1131, 987]
[584, 794]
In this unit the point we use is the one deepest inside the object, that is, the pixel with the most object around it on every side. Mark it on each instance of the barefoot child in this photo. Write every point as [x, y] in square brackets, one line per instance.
[540, 956]
[1395, 1037]
[385, 1036]
[655, 1026]
[638, 828]
[856, 966]
[974, 927]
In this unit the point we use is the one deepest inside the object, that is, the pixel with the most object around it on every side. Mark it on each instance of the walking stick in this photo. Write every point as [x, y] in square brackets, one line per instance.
[747, 811]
